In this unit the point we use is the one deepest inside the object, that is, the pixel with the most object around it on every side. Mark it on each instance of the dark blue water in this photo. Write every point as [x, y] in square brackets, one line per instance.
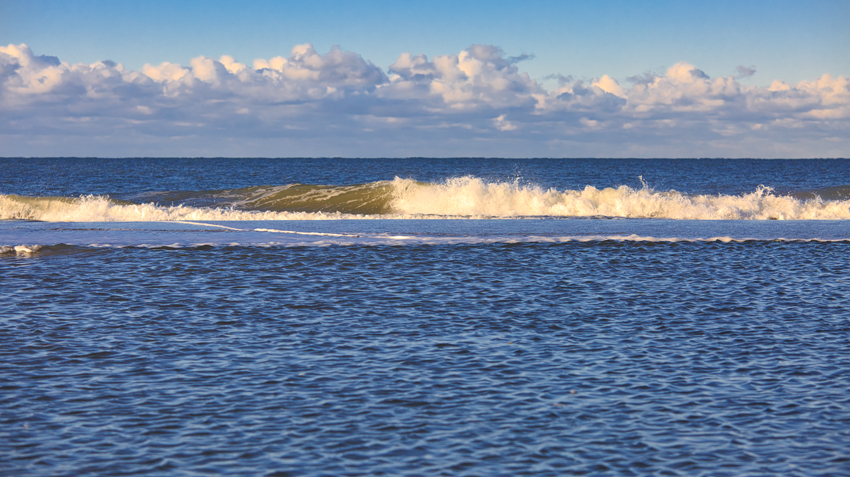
[125, 177]
[541, 346]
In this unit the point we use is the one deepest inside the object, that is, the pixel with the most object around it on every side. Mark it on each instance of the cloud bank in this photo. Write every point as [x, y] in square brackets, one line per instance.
[476, 102]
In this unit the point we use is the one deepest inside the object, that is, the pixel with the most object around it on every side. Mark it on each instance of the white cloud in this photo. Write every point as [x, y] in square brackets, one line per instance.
[685, 73]
[502, 124]
[166, 72]
[609, 85]
[478, 77]
[339, 103]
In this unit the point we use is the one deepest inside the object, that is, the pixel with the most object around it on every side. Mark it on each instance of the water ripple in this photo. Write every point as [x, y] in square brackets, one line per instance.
[624, 358]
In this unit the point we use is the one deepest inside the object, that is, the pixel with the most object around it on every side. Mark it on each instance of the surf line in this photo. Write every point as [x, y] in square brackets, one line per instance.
[208, 225]
[266, 230]
[305, 233]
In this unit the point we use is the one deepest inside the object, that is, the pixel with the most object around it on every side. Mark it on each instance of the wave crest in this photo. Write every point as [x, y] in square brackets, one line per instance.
[472, 196]
[462, 197]
[93, 208]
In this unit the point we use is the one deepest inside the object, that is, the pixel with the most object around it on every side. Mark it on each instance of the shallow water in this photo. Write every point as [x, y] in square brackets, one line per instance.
[422, 345]
[503, 359]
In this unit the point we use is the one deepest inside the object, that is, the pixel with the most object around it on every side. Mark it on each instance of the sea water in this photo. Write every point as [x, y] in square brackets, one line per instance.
[424, 317]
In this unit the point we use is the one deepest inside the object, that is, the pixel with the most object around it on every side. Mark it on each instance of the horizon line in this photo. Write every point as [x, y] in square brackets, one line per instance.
[432, 157]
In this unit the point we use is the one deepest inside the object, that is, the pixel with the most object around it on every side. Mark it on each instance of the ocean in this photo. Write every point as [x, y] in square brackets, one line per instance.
[468, 316]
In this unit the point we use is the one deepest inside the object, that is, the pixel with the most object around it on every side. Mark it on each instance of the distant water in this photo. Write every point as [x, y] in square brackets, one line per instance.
[424, 317]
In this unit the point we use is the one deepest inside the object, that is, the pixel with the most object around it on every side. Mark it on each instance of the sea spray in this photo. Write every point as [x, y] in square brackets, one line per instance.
[472, 196]
[460, 197]
[102, 209]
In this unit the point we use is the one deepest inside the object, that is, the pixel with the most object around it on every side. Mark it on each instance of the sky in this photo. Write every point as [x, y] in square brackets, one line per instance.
[437, 78]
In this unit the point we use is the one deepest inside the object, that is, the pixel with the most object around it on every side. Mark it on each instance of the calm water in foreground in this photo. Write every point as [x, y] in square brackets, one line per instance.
[424, 317]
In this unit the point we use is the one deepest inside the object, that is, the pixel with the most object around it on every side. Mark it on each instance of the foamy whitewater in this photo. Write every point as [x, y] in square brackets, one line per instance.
[464, 197]
[466, 316]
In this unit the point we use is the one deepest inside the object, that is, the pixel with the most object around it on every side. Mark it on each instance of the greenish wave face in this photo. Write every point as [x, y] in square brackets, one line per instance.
[368, 199]
[372, 198]
[227, 204]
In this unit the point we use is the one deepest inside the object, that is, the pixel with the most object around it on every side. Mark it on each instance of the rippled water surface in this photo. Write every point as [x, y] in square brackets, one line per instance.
[470, 317]
[599, 357]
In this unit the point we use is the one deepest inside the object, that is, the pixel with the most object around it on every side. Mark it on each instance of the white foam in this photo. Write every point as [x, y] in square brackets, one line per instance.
[465, 197]
[471, 196]
[19, 250]
[208, 225]
[323, 234]
[93, 208]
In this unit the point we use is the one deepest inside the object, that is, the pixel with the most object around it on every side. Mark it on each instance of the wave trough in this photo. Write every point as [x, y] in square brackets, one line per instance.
[462, 197]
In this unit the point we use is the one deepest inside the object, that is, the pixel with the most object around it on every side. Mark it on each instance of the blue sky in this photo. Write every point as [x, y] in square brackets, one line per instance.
[788, 40]
[757, 42]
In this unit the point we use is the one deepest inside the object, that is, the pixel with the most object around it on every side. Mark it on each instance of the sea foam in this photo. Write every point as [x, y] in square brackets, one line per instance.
[93, 208]
[463, 197]
[472, 196]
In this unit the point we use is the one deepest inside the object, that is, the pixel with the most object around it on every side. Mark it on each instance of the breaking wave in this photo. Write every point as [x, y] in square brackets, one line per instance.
[463, 197]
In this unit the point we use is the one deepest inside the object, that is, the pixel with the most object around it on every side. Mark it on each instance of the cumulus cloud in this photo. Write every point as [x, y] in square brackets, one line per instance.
[474, 102]
[744, 71]
[609, 85]
[480, 77]
[561, 79]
